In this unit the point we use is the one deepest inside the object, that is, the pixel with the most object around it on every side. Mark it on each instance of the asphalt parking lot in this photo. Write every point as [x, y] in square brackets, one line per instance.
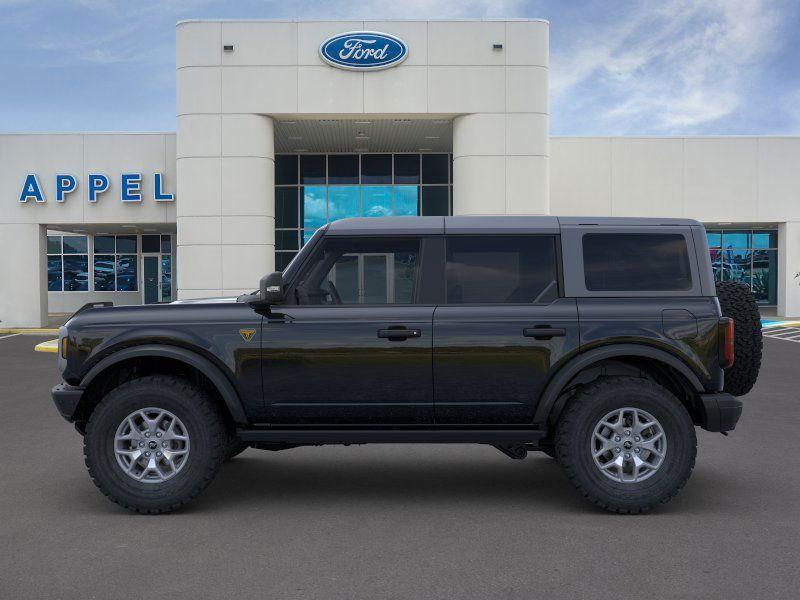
[418, 522]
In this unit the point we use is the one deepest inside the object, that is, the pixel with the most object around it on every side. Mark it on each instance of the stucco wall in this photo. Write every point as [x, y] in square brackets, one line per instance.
[227, 101]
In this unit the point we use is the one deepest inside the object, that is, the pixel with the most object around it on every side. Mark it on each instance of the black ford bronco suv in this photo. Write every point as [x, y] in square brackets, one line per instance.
[602, 342]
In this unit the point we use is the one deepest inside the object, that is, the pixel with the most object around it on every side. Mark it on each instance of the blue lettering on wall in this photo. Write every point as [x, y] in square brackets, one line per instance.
[65, 184]
[158, 195]
[131, 188]
[363, 51]
[31, 190]
[98, 183]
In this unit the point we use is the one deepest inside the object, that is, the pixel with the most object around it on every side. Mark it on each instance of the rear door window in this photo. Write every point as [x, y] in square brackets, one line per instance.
[501, 269]
[636, 262]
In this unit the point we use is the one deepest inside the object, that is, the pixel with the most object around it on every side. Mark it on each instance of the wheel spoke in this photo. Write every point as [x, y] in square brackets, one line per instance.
[152, 467]
[639, 458]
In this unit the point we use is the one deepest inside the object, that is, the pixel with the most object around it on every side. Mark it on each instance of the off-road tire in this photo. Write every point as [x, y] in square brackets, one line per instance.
[737, 302]
[207, 434]
[576, 426]
[235, 448]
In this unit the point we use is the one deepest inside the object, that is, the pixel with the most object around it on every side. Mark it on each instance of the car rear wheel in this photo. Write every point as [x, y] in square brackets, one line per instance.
[154, 443]
[627, 444]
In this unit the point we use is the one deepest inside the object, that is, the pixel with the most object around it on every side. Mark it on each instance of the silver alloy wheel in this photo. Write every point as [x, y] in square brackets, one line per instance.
[628, 445]
[151, 445]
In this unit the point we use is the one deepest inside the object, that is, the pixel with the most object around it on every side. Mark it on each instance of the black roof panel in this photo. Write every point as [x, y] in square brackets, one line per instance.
[487, 224]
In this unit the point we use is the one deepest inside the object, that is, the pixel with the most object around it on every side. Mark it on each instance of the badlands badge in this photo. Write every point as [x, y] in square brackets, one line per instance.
[247, 334]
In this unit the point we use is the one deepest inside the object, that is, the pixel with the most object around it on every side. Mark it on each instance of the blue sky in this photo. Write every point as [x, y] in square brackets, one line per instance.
[672, 67]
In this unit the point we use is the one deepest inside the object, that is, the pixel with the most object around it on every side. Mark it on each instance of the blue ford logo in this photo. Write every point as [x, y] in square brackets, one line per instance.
[363, 50]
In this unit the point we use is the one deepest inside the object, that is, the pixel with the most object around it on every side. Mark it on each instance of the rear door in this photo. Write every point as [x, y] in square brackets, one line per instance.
[501, 329]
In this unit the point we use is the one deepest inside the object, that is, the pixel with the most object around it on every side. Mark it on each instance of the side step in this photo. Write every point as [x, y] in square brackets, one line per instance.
[393, 436]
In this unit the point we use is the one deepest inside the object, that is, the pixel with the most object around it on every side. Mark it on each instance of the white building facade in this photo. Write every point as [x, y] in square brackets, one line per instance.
[282, 128]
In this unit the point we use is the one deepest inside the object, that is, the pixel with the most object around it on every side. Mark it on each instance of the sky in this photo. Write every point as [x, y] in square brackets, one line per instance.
[669, 67]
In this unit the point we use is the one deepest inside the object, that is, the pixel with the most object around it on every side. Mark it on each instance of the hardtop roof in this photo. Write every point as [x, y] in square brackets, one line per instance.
[488, 224]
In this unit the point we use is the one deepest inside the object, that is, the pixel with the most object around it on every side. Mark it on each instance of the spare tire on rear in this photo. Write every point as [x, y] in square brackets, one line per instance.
[737, 302]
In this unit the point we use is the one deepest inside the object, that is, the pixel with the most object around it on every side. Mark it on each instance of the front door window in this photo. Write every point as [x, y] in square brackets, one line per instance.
[364, 271]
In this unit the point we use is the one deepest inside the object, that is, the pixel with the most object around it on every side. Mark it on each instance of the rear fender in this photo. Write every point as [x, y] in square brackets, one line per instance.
[585, 360]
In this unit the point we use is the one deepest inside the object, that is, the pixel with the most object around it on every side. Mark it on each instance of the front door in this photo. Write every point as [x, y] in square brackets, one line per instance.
[356, 348]
[502, 329]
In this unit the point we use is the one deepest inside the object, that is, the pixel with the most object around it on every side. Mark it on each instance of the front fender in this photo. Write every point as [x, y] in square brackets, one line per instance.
[193, 359]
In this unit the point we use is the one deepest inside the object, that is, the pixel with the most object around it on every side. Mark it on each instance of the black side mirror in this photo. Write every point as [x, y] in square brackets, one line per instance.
[270, 289]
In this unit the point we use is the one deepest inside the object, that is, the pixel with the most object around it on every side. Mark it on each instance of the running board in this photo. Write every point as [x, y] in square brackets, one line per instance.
[393, 436]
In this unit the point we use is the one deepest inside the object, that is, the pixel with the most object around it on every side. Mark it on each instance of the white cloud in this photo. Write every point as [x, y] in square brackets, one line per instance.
[672, 69]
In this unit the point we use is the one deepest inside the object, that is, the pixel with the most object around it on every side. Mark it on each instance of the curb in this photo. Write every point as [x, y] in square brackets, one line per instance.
[29, 331]
[48, 346]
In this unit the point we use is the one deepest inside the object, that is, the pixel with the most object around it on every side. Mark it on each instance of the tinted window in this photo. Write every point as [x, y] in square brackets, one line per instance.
[104, 243]
[434, 168]
[286, 207]
[126, 243]
[434, 201]
[285, 169]
[343, 168]
[104, 272]
[366, 271]
[376, 168]
[151, 243]
[75, 244]
[406, 168]
[501, 270]
[54, 244]
[636, 262]
[312, 168]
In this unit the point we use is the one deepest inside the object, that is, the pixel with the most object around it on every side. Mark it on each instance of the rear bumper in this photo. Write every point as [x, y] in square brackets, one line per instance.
[67, 398]
[720, 412]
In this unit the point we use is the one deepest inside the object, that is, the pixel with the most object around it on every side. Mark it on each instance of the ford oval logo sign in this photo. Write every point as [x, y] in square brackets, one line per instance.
[363, 50]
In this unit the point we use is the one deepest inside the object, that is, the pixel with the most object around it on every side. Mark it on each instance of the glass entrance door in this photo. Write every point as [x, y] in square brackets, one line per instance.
[151, 289]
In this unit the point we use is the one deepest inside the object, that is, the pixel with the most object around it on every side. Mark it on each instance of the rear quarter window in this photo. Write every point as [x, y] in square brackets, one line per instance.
[636, 262]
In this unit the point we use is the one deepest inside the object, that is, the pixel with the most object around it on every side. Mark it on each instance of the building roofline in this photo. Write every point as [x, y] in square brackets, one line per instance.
[463, 20]
[12, 133]
[716, 136]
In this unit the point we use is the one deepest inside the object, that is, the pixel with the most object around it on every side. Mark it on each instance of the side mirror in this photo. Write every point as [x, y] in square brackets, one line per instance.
[270, 289]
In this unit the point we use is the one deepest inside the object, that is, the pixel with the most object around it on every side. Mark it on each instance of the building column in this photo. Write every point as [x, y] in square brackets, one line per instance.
[501, 164]
[226, 221]
[23, 302]
[788, 265]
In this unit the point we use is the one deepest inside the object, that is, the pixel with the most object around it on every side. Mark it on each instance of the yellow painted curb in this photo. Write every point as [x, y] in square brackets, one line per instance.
[49, 346]
[31, 331]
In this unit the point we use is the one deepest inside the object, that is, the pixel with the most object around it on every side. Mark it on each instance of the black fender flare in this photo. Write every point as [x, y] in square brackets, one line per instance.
[202, 364]
[586, 359]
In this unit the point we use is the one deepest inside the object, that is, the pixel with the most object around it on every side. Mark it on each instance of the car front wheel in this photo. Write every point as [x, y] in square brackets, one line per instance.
[154, 443]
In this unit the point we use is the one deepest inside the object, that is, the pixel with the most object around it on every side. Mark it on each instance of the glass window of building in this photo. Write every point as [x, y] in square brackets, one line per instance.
[315, 189]
[749, 256]
[67, 263]
[115, 261]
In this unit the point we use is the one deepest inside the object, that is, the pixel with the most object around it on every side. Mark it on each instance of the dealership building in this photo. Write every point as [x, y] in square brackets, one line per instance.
[283, 126]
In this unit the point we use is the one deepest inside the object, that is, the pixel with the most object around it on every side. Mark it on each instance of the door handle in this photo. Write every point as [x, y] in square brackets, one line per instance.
[544, 333]
[399, 335]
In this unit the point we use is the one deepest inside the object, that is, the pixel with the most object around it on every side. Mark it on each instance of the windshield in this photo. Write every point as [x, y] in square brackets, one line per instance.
[291, 269]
